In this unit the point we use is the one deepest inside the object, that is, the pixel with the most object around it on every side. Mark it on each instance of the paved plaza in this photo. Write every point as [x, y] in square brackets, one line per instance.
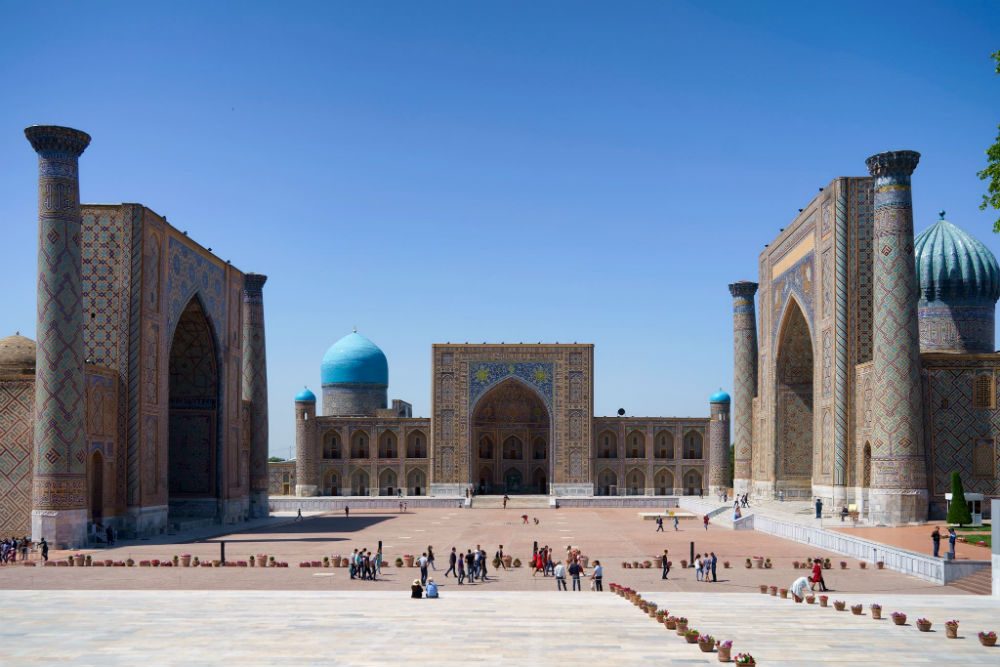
[471, 628]
[612, 536]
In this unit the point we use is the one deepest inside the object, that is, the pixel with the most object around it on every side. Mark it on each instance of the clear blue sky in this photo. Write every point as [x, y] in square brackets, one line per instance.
[503, 171]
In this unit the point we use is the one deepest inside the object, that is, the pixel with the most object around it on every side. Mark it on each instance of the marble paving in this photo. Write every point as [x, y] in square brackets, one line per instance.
[152, 628]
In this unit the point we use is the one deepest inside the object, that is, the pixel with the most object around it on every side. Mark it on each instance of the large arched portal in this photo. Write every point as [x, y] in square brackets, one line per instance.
[512, 415]
[194, 419]
[793, 431]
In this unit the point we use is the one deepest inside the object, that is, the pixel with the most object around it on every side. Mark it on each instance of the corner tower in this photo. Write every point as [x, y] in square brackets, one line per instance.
[718, 443]
[899, 478]
[744, 380]
[306, 477]
[59, 489]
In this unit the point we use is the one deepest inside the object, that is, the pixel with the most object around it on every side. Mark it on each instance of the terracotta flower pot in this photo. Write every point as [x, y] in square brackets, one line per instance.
[724, 653]
[773, 590]
[671, 624]
[822, 600]
[810, 599]
[783, 592]
[951, 631]
[924, 627]
[691, 639]
[899, 620]
[876, 614]
[988, 641]
[706, 647]
[763, 589]
[682, 628]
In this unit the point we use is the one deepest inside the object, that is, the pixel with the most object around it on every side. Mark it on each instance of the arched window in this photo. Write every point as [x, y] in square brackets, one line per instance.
[538, 449]
[485, 447]
[664, 445]
[693, 486]
[416, 446]
[636, 443]
[513, 449]
[692, 445]
[359, 445]
[331, 445]
[607, 446]
[387, 446]
[982, 392]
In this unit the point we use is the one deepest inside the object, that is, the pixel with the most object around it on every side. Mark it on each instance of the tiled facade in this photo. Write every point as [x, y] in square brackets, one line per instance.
[840, 410]
[507, 418]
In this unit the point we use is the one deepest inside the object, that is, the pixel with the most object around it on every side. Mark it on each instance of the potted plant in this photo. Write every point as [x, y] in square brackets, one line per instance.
[78, 560]
[706, 643]
[326, 561]
[843, 565]
[951, 629]
[252, 561]
[758, 561]
[988, 638]
[725, 564]
[767, 564]
[810, 599]
[748, 564]
[517, 562]
[261, 560]
[682, 625]
[508, 560]
[839, 605]
[691, 636]
[195, 562]
[144, 563]
[635, 565]
[155, 562]
[745, 660]
[108, 562]
[684, 563]
[270, 561]
[822, 600]
[880, 564]
[827, 564]
[660, 614]
[724, 649]
[763, 589]
[856, 609]
[773, 590]
[795, 564]
[783, 593]
[671, 622]
[876, 610]
[899, 618]
[924, 625]
[862, 564]
[88, 560]
[129, 562]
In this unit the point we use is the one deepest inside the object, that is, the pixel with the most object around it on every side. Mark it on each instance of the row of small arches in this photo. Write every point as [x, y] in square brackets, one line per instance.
[513, 449]
[388, 445]
[635, 445]
[388, 483]
[608, 483]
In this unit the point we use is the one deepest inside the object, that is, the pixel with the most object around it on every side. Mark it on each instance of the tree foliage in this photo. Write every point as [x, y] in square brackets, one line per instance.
[991, 173]
[275, 459]
[958, 510]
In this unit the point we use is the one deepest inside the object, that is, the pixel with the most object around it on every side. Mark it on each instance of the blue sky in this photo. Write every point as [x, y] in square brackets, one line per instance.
[502, 171]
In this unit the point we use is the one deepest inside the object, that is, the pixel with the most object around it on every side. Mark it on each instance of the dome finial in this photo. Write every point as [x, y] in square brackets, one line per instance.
[355, 328]
[941, 215]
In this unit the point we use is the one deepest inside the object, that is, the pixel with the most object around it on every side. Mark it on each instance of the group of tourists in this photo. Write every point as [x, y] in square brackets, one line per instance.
[659, 523]
[471, 565]
[704, 567]
[366, 565]
[11, 548]
[741, 501]
[573, 566]
[936, 541]
[799, 586]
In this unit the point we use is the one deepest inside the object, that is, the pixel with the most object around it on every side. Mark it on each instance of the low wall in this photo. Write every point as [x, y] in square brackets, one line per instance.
[743, 523]
[659, 502]
[928, 568]
[337, 503]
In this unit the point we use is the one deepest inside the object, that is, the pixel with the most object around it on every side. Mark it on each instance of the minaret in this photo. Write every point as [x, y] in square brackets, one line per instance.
[744, 381]
[718, 443]
[255, 389]
[306, 478]
[59, 488]
[899, 479]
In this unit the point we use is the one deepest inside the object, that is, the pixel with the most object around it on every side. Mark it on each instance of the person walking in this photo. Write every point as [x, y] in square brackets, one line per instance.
[505, 499]
[470, 565]
[298, 517]
[698, 574]
[819, 508]
[422, 561]
[575, 571]
[499, 559]
[936, 541]
[676, 523]
[598, 576]
[817, 576]
[952, 538]
[461, 571]
[45, 550]
[705, 521]
[482, 564]
[452, 559]
[560, 576]
[665, 564]
[347, 512]
[430, 557]
[714, 562]
[659, 524]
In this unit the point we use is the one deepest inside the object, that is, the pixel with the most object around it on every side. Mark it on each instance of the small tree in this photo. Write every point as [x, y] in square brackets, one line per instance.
[958, 510]
[275, 459]
[991, 173]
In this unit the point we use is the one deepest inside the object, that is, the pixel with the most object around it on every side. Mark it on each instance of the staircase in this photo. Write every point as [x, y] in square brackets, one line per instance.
[980, 583]
[538, 502]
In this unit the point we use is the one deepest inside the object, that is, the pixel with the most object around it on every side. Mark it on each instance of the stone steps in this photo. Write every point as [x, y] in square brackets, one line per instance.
[980, 583]
[536, 502]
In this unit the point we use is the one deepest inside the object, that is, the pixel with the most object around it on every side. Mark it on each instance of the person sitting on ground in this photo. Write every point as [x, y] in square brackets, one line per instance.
[536, 520]
[432, 589]
[416, 590]
[798, 588]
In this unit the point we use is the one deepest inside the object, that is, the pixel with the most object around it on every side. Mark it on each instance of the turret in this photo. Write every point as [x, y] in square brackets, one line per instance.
[306, 476]
[718, 443]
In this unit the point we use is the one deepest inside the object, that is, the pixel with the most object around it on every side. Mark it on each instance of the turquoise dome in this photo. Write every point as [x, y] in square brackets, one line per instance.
[719, 397]
[354, 360]
[305, 396]
[951, 265]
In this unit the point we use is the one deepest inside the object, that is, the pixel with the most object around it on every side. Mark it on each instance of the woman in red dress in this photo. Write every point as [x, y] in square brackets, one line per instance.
[817, 576]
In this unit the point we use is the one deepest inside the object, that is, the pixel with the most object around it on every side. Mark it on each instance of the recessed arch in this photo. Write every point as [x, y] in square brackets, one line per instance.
[387, 447]
[607, 444]
[694, 445]
[794, 399]
[663, 482]
[360, 482]
[607, 482]
[95, 478]
[635, 482]
[635, 445]
[331, 445]
[387, 484]
[331, 483]
[664, 445]
[416, 482]
[693, 484]
[359, 444]
[511, 429]
[416, 445]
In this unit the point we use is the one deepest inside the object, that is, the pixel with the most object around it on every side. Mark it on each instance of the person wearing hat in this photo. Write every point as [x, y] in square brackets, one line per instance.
[432, 589]
[416, 590]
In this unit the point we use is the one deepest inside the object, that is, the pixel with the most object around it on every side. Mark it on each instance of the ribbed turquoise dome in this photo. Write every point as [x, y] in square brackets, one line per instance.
[305, 396]
[719, 397]
[354, 360]
[951, 265]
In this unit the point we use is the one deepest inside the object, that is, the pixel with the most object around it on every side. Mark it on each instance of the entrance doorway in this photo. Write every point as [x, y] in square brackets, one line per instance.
[96, 487]
[511, 432]
[794, 413]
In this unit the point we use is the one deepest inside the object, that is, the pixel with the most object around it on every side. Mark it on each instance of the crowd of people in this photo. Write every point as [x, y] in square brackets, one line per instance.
[13, 548]
[366, 565]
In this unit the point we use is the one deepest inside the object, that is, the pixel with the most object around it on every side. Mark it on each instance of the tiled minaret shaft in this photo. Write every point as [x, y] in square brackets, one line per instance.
[744, 381]
[59, 488]
[718, 447]
[306, 474]
[255, 389]
[899, 480]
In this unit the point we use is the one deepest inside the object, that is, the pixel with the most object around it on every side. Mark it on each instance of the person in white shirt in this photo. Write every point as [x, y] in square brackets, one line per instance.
[560, 573]
[598, 576]
[697, 567]
[422, 562]
[799, 587]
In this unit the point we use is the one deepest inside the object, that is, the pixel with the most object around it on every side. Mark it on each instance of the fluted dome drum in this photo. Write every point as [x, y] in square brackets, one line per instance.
[959, 286]
[355, 377]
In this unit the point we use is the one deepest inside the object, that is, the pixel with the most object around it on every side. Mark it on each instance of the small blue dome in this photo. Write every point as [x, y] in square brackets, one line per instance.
[305, 396]
[719, 397]
[952, 265]
[354, 360]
